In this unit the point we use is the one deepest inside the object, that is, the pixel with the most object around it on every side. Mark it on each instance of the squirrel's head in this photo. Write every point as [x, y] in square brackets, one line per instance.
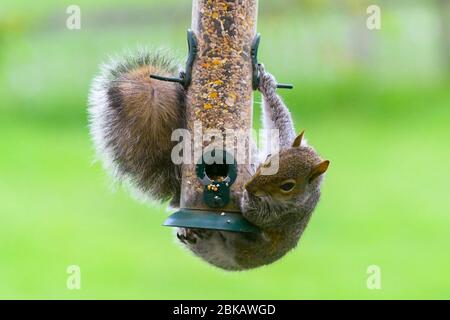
[299, 173]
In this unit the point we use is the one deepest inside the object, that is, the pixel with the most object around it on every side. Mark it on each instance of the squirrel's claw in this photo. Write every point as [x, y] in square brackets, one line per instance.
[261, 68]
[190, 236]
[267, 82]
[181, 238]
[186, 237]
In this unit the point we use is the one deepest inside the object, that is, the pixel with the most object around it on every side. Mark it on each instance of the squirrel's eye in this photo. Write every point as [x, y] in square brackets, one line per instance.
[288, 186]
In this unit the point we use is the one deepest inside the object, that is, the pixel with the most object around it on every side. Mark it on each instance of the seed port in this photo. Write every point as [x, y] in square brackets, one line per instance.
[217, 172]
[216, 168]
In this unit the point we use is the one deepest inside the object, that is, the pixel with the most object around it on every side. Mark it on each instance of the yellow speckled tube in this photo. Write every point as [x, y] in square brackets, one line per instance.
[220, 95]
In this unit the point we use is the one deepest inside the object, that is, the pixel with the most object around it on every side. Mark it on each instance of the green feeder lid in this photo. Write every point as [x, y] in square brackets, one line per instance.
[216, 220]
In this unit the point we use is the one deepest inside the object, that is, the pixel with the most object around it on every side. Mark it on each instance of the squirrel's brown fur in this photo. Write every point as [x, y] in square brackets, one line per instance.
[132, 118]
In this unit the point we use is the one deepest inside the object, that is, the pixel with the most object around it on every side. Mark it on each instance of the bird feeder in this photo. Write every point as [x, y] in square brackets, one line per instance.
[220, 76]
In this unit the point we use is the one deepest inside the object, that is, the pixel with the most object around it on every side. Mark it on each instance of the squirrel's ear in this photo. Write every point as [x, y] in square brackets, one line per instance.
[298, 140]
[319, 170]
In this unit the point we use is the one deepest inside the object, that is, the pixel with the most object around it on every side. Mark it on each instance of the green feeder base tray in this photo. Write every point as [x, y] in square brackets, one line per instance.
[216, 220]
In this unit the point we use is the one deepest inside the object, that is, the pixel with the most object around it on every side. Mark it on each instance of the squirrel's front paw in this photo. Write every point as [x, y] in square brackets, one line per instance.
[262, 212]
[267, 82]
[252, 209]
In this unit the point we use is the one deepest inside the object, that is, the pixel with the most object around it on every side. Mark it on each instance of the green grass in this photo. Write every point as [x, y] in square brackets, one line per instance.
[385, 198]
[384, 202]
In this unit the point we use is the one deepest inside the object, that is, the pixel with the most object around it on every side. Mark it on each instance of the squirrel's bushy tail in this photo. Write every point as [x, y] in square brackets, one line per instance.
[131, 120]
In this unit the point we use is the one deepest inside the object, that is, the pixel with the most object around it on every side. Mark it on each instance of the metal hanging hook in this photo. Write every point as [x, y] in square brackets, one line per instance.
[185, 77]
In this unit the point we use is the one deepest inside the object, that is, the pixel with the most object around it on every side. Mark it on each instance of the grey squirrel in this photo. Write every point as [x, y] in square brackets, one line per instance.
[131, 120]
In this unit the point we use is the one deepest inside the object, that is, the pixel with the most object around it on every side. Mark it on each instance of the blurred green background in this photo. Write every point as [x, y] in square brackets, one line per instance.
[376, 103]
